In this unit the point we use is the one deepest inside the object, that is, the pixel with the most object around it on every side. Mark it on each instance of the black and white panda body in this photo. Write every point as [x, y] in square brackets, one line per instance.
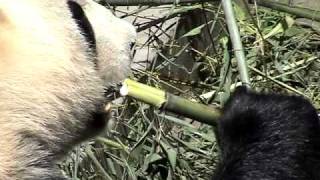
[52, 83]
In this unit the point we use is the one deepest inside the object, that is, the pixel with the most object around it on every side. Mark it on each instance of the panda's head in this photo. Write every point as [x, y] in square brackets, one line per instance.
[56, 58]
[109, 37]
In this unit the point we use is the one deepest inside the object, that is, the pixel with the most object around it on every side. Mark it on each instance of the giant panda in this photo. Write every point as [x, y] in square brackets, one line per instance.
[268, 137]
[57, 58]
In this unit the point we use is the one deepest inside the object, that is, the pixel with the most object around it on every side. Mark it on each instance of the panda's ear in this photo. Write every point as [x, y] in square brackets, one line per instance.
[83, 23]
[241, 95]
[242, 90]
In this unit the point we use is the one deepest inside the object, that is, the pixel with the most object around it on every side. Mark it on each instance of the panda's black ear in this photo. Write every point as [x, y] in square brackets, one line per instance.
[240, 94]
[242, 90]
[83, 23]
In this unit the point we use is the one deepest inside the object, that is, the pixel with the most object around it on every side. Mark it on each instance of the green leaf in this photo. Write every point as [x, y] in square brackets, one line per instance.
[185, 9]
[294, 31]
[171, 154]
[150, 159]
[194, 32]
[154, 157]
[240, 12]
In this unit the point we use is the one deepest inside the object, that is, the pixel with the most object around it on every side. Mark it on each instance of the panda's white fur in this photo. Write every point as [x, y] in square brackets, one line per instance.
[50, 87]
[112, 49]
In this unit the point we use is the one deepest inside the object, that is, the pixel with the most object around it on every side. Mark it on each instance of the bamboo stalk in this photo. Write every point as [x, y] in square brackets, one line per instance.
[298, 11]
[236, 41]
[151, 2]
[169, 102]
[95, 161]
[144, 93]
[193, 110]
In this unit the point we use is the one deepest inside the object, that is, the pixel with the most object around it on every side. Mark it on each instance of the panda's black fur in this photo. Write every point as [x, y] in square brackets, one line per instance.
[268, 137]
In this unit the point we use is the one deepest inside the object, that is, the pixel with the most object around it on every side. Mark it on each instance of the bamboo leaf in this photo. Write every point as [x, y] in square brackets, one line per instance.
[194, 32]
[171, 154]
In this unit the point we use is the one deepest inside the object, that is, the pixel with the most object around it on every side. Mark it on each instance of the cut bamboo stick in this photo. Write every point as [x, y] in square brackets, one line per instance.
[169, 102]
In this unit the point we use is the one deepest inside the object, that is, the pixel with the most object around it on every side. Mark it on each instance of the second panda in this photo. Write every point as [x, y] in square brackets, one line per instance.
[268, 137]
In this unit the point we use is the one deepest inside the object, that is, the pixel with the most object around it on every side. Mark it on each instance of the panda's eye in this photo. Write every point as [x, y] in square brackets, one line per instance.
[132, 49]
[131, 45]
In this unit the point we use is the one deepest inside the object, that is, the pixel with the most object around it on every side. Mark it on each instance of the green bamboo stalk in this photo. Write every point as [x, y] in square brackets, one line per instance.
[298, 11]
[193, 110]
[144, 93]
[169, 102]
[236, 41]
[150, 2]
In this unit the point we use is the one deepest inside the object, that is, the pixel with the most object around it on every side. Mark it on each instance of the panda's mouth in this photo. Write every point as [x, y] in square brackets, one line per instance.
[84, 25]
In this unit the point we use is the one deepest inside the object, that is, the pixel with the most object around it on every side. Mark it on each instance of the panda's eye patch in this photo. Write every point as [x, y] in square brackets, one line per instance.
[83, 23]
[131, 45]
